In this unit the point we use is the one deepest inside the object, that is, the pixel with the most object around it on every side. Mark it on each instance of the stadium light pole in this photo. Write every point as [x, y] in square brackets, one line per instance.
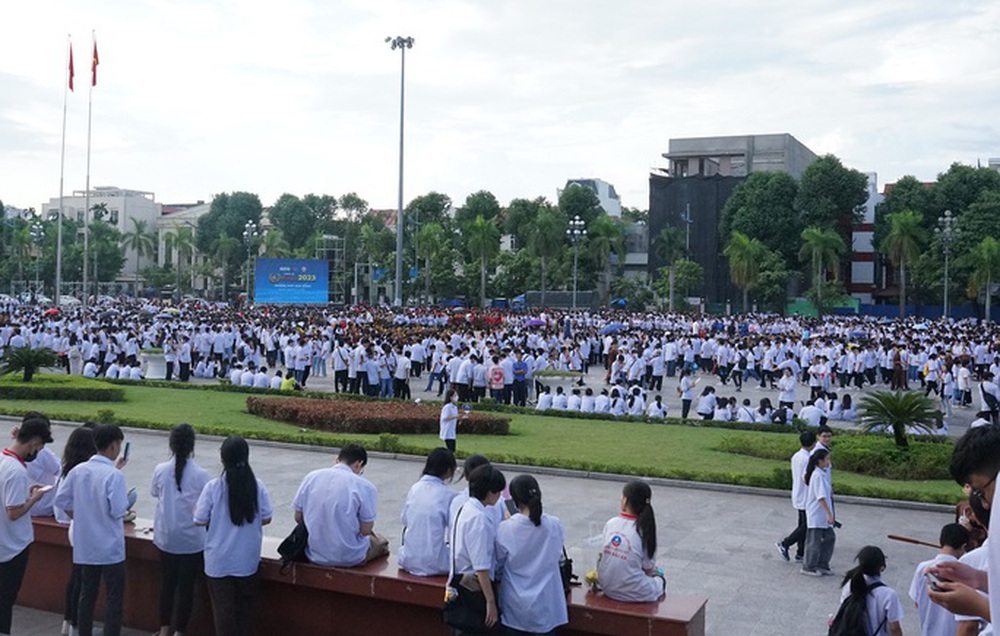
[947, 234]
[250, 236]
[577, 230]
[401, 43]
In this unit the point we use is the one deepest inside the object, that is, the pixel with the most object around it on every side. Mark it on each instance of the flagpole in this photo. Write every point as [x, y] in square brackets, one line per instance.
[62, 172]
[86, 196]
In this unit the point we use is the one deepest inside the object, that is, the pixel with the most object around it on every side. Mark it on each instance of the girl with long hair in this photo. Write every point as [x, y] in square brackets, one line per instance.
[79, 448]
[884, 610]
[626, 568]
[529, 546]
[424, 548]
[176, 486]
[820, 518]
[235, 506]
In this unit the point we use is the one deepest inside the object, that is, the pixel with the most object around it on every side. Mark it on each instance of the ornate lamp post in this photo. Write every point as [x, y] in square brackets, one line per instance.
[250, 238]
[37, 235]
[947, 233]
[576, 231]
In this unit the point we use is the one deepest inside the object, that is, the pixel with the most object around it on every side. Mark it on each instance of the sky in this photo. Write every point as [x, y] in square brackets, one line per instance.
[198, 97]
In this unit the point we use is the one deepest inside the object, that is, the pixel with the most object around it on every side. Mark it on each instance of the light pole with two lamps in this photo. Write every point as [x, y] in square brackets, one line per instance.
[576, 231]
[37, 235]
[250, 238]
[401, 43]
[947, 233]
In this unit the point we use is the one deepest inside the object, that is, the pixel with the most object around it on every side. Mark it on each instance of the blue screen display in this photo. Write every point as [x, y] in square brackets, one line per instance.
[291, 281]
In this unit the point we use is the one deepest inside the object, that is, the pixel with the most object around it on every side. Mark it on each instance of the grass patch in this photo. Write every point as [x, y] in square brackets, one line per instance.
[633, 448]
[58, 387]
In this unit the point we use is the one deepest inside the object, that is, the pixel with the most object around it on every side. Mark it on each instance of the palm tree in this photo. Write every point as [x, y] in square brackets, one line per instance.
[902, 245]
[547, 241]
[139, 240]
[27, 360]
[274, 244]
[985, 261]
[225, 247]
[745, 255]
[822, 247]
[895, 410]
[604, 237]
[669, 247]
[20, 245]
[431, 240]
[483, 240]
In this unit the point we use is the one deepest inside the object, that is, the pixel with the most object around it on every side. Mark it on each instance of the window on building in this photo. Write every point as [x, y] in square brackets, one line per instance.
[113, 217]
[79, 216]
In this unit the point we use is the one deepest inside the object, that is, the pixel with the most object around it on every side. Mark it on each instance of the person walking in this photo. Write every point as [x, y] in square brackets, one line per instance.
[235, 506]
[176, 486]
[800, 493]
[883, 610]
[449, 419]
[820, 518]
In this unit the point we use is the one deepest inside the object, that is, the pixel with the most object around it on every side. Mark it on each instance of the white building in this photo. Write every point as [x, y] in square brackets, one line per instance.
[610, 201]
[124, 208]
[173, 218]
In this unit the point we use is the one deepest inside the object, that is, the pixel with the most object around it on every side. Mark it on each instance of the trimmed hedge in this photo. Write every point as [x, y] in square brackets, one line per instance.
[58, 387]
[871, 455]
[369, 418]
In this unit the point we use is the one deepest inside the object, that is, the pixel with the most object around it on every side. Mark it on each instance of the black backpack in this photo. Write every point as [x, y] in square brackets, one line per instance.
[851, 618]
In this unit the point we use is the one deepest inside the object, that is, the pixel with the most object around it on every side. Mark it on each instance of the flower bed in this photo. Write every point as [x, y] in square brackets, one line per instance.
[345, 416]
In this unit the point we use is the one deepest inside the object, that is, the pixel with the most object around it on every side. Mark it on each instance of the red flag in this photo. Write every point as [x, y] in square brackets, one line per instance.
[93, 67]
[70, 67]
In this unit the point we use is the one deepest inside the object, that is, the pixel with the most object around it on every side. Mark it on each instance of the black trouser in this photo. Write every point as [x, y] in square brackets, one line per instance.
[400, 389]
[685, 408]
[170, 371]
[798, 536]
[450, 445]
[73, 595]
[185, 371]
[114, 591]
[520, 392]
[177, 576]
[656, 383]
[340, 381]
[233, 604]
[11, 575]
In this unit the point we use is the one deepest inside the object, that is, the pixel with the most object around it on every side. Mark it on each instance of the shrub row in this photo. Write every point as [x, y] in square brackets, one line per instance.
[58, 387]
[342, 416]
[871, 455]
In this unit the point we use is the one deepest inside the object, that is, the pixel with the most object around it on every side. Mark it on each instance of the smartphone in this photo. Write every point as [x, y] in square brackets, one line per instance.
[45, 488]
[128, 447]
[934, 581]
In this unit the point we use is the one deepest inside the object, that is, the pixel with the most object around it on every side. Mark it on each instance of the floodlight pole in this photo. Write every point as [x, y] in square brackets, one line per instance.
[577, 230]
[401, 43]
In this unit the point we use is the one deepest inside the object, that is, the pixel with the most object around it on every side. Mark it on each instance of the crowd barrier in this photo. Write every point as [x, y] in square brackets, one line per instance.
[308, 600]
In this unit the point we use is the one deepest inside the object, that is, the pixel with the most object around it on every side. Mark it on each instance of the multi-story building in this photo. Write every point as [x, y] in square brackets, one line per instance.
[861, 283]
[611, 203]
[737, 156]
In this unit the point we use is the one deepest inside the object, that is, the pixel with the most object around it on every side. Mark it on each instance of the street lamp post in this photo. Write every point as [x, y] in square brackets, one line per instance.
[37, 235]
[947, 233]
[401, 43]
[686, 218]
[576, 231]
[250, 238]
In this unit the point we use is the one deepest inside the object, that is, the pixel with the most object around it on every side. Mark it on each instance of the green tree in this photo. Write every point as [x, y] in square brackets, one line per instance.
[669, 246]
[635, 215]
[516, 272]
[478, 204]
[577, 200]
[139, 240]
[519, 219]
[354, 206]
[894, 411]
[324, 210]
[689, 275]
[430, 208]
[106, 249]
[605, 237]
[772, 286]
[830, 193]
[902, 245]
[984, 259]
[763, 207]
[432, 242]
[635, 291]
[960, 187]
[483, 239]
[547, 241]
[822, 249]
[228, 214]
[745, 255]
[225, 248]
[981, 219]
[274, 244]
[20, 247]
[295, 219]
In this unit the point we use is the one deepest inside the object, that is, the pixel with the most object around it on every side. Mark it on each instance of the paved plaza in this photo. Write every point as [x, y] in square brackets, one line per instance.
[716, 542]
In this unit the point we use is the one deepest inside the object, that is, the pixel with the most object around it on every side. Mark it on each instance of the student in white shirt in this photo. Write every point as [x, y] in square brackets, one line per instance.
[423, 550]
[574, 402]
[626, 569]
[657, 409]
[820, 539]
[934, 619]
[800, 494]
[235, 506]
[448, 422]
[559, 400]
[706, 403]
[79, 448]
[94, 495]
[544, 399]
[473, 545]
[884, 611]
[176, 486]
[338, 507]
[529, 547]
[602, 403]
[587, 402]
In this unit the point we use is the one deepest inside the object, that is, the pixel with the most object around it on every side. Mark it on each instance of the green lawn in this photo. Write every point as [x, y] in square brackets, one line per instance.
[603, 446]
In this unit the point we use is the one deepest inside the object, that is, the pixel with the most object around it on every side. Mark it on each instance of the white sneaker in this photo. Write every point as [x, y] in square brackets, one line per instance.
[65, 628]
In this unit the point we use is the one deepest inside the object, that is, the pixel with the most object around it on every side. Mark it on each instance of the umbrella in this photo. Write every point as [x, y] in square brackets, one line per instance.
[534, 322]
[619, 302]
[165, 314]
[51, 312]
[171, 310]
[613, 327]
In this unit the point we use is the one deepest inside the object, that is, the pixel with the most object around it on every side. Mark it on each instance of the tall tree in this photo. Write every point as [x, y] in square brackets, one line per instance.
[296, 220]
[274, 244]
[519, 219]
[577, 200]
[225, 248]
[902, 245]
[985, 262]
[909, 193]
[763, 207]
[324, 210]
[669, 246]
[547, 241]
[822, 249]
[605, 237]
[829, 193]
[139, 241]
[432, 242]
[745, 255]
[478, 204]
[483, 240]
[960, 187]
[227, 214]
[354, 206]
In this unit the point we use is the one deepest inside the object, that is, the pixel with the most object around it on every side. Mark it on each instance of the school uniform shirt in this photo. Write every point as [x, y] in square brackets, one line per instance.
[531, 591]
[882, 604]
[544, 402]
[334, 502]
[587, 404]
[174, 530]
[17, 535]
[800, 491]
[448, 422]
[934, 619]
[45, 470]
[706, 404]
[475, 531]
[230, 550]
[622, 567]
[94, 493]
[819, 487]
[425, 516]
[977, 559]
